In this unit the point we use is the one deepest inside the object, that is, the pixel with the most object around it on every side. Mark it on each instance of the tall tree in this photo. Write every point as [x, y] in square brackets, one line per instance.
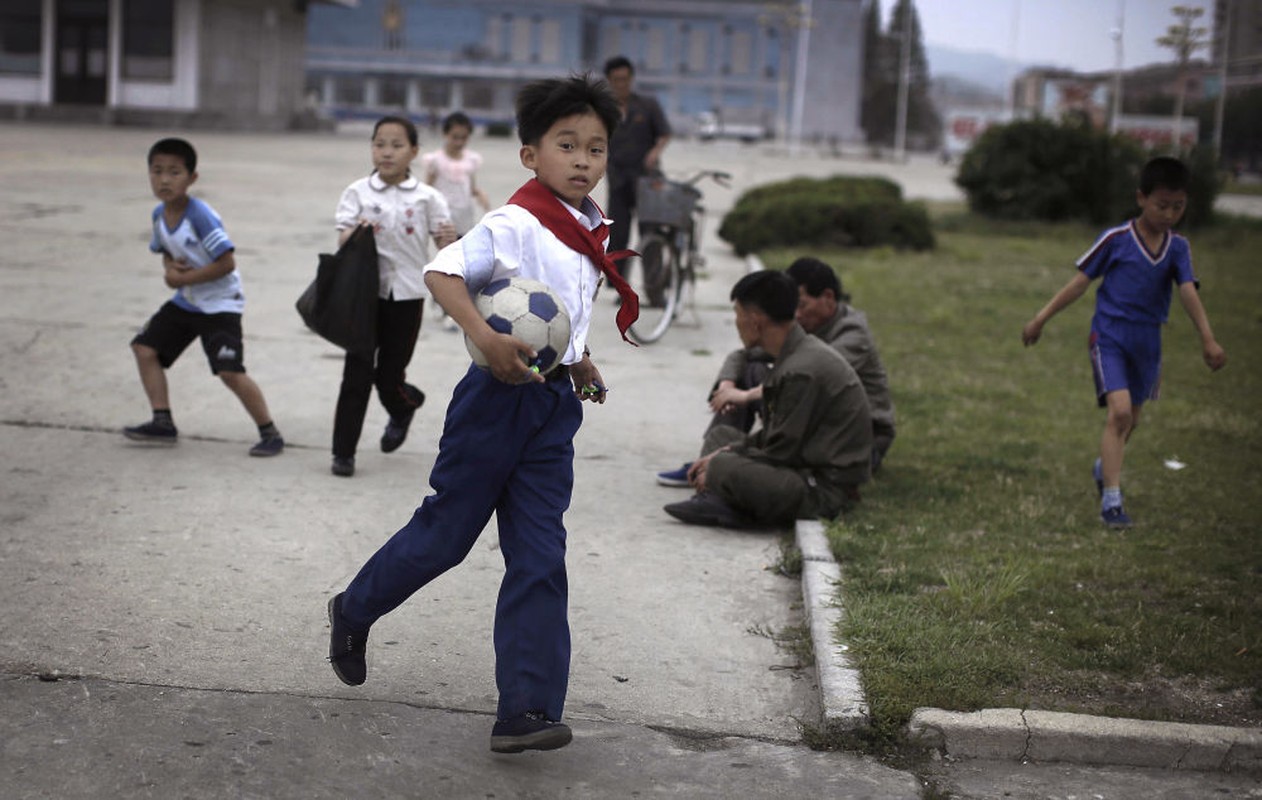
[882, 61]
[1184, 38]
[880, 75]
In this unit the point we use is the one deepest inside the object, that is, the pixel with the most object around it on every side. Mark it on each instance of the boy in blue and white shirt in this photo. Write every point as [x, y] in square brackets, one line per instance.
[197, 261]
[1139, 265]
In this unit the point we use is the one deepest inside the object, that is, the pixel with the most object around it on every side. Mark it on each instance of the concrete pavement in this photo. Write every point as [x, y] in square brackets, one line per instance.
[172, 601]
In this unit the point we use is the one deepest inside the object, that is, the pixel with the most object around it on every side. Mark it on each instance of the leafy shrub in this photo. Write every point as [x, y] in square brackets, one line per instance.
[500, 130]
[837, 211]
[1039, 170]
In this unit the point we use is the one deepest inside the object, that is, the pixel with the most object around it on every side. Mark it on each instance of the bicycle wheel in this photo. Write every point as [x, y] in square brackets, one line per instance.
[658, 282]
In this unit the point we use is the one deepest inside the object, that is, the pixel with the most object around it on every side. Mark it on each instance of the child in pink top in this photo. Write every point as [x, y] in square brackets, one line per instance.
[450, 171]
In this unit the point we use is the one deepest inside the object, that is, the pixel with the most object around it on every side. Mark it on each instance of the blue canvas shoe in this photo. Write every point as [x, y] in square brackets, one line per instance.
[1115, 518]
[675, 477]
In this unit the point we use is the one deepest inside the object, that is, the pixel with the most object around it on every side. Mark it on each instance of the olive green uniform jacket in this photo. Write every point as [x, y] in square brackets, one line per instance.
[848, 333]
[814, 446]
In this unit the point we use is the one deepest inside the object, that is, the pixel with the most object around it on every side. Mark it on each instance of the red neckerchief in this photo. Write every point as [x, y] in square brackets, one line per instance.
[551, 213]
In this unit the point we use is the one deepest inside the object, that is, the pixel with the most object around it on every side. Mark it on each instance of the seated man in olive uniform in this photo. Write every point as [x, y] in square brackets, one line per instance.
[815, 444]
[824, 311]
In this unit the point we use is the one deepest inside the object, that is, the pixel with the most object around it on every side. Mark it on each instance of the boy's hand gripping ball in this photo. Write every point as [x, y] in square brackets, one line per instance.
[529, 310]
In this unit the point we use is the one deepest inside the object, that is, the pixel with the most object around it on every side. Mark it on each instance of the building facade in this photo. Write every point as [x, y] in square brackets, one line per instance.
[233, 63]
[790, 66]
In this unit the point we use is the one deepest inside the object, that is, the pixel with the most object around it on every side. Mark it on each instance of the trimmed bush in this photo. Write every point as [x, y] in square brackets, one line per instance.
[837, 211]
[1038, 170]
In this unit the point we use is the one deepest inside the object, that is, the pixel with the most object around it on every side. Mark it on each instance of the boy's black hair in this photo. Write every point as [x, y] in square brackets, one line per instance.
[1164, 172]
[618, 62]
[815, 276]
[409, 127]
[457, 118]
[179, 148]
[541, 103]
[771, 292]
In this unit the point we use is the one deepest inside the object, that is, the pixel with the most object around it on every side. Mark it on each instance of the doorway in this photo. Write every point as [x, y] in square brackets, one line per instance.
[82, 52]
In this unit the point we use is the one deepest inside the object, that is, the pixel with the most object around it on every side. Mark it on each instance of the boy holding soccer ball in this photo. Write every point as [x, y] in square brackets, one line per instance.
[1137, 263]
[507, 443]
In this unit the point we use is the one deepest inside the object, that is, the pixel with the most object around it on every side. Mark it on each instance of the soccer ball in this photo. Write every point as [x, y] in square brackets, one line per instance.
[529, 310]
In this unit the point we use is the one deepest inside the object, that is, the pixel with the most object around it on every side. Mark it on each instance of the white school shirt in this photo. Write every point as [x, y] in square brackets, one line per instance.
[199, 239]
[404, 217]
[454, 178]
[509, 242]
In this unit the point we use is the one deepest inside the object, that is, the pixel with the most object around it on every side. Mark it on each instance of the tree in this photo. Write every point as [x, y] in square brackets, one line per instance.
[876, 71]
[1184, 39]
[881, 76]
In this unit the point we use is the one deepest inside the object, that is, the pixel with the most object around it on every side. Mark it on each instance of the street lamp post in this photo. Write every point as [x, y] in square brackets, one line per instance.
[904, 87]
[1116, 112]
[1221, 105]
[799, 72]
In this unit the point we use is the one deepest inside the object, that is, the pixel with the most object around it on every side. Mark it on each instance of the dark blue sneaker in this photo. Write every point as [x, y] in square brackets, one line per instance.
[346, 646]
[152, 433]
[1115, 518]
[343, 466]
[1097, 472]
[675, 477]
[268, 446]
[529, 731]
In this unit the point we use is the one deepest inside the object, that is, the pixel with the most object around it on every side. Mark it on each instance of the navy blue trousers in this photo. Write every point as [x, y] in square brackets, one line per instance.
[509, 450]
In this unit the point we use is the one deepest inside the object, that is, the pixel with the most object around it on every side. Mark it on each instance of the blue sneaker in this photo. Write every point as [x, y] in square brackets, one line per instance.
[675, 477]
[152, 433]
[1115, 518]
[1097, 472]
[268, 446]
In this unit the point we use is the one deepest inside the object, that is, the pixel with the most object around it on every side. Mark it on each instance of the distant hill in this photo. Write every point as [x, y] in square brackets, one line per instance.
[983, 70]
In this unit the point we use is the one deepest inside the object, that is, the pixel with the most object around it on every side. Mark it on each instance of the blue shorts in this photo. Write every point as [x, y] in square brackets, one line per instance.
[1126, 355]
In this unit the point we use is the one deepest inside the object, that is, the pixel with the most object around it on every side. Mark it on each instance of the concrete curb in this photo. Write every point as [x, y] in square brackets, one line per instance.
[1009, 734]
[1013, 734]
[841, 692]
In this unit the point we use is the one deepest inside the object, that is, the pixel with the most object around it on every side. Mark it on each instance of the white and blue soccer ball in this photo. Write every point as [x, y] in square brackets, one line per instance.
[529, 310]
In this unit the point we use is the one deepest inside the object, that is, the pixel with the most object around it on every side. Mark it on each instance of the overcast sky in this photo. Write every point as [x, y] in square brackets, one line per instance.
[1068, 33]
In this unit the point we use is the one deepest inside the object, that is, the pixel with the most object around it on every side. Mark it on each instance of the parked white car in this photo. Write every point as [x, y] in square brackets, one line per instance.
[711, 126]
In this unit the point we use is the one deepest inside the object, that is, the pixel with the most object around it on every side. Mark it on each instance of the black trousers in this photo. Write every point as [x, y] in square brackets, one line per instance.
[621, 208]
[398, 323]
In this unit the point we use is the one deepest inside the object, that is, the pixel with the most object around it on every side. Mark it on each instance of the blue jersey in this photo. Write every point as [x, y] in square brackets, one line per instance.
[198, 240]
[1136, 284]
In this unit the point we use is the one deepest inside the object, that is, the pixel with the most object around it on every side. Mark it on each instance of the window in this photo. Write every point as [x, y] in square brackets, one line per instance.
[393, 91]
[741, 53]
[495, 37]
[655, 50]
[435, 94]
[20, 37]
[698, 51]
[550, 41]
[520, 40]
[148, 39]
[479, 94]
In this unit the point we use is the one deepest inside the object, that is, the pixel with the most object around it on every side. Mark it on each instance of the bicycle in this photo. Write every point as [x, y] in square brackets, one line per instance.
[670, 218]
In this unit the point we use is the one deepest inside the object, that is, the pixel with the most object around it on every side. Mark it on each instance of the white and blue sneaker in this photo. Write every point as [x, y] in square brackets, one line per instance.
[675, 477]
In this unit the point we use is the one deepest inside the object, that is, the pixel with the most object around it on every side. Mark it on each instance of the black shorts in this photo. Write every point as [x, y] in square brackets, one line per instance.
[173, 328]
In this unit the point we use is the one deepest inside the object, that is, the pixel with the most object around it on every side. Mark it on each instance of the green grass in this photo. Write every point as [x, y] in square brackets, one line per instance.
[1236, 187]
[976, 573]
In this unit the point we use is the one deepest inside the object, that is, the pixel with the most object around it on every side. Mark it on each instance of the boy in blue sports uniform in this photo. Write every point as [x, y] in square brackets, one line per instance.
[1138, 264]
[507, 442]
[198, 262]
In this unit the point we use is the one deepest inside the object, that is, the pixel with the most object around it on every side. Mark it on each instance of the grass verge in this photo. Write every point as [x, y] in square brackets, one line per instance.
[976, 573]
